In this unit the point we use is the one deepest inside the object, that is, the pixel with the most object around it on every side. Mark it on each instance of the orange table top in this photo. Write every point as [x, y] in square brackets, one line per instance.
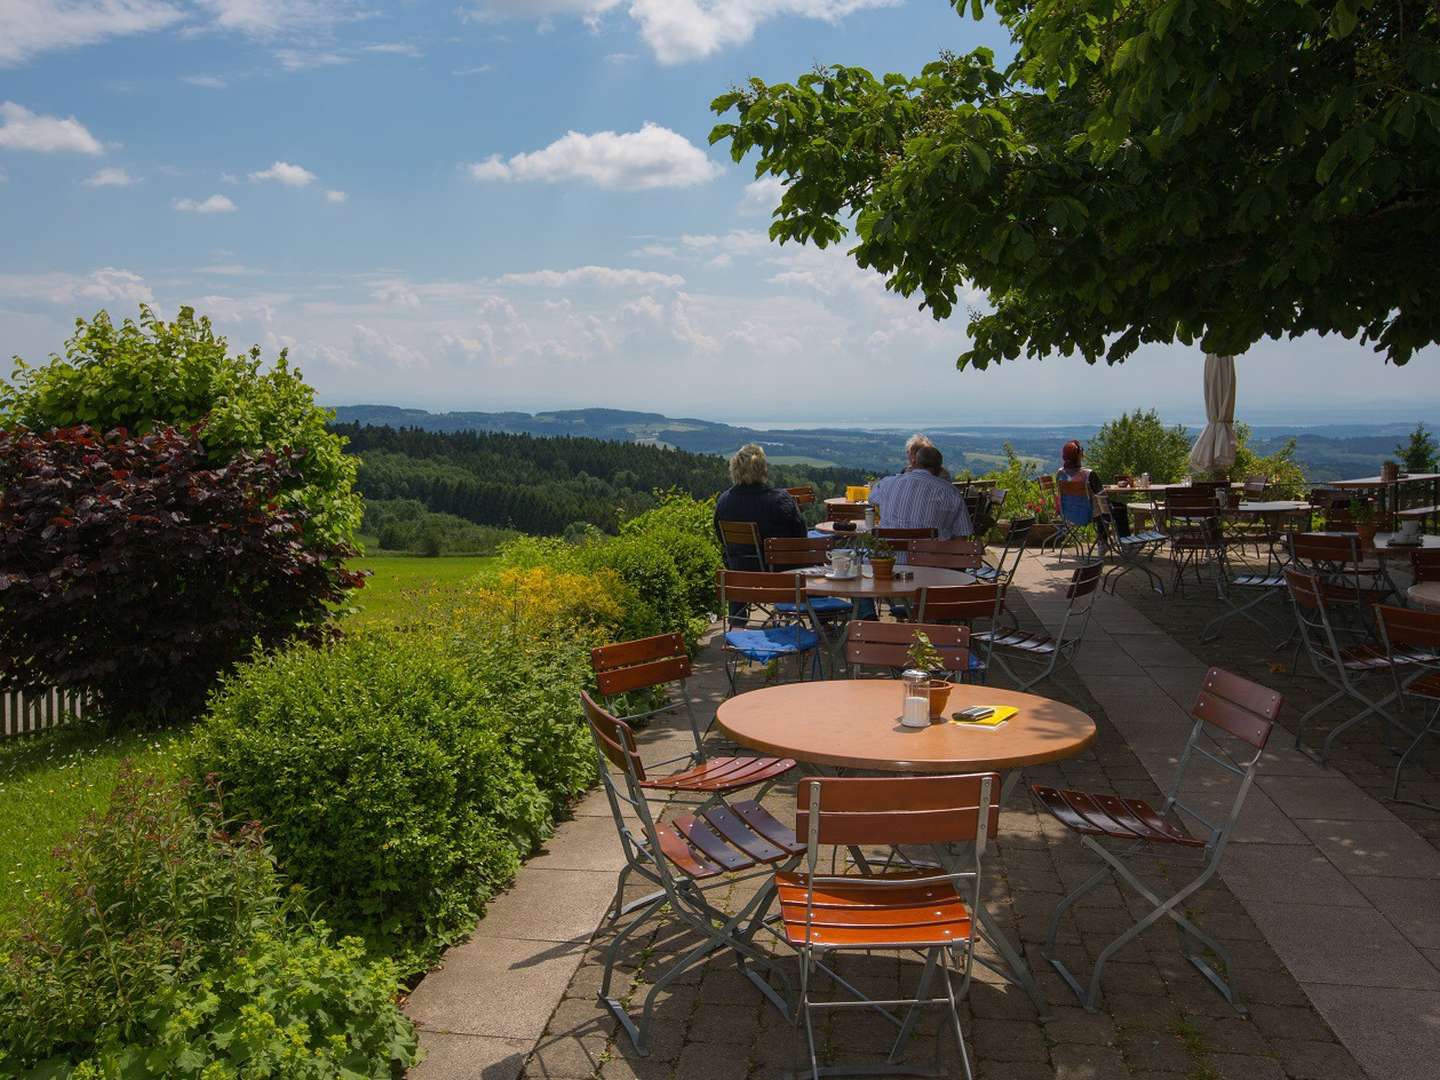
[925, 577]
[855, 724]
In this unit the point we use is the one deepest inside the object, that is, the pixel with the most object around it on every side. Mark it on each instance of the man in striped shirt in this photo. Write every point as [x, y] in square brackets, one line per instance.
[921, 498]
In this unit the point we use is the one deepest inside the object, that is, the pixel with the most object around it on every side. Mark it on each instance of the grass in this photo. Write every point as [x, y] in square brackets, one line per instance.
[398, 584]
[48, 784]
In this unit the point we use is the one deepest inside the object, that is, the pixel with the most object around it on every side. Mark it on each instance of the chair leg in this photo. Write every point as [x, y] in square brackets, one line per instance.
[1429, 729]
[954, 1017]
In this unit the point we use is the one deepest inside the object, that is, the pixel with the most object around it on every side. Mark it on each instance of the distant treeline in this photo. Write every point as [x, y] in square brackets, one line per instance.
[542, 485]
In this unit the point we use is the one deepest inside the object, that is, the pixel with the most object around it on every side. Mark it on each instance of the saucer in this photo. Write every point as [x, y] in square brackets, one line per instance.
[840, 577]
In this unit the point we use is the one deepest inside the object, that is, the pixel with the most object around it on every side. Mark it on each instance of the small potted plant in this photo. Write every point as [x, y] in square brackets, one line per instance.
[923, 656]
[1362, 517]
[882, 556]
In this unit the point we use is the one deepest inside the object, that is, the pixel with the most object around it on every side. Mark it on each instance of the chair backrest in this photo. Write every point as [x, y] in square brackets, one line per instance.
[845, 511]
[1191, 502]
[904, 539]
[759, 587]
[1238, 706]
[1256, 486]
[640, 664]
[741, 534]
[1084, 581]
[787, 551]
[803, 496]
[1426, 564]
[1018, 533]
[614, 738]
[948, 554]
[975, 502]
[1328, 550]
[1211, 486]
[899, 810]
[878, 644]
[1410, 626]
[961, 603]
[1076, 506]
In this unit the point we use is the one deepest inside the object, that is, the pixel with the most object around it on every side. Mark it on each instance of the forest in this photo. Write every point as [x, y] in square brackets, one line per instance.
[542, 485]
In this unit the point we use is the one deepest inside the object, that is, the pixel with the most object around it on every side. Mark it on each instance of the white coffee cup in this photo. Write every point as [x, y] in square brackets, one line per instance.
[1410, 532]
[840, 563]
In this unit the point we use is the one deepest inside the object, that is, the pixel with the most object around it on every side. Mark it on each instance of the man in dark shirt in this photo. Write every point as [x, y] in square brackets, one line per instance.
[751, 498]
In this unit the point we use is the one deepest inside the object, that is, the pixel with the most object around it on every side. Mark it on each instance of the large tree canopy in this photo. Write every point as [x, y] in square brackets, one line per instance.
[1212, 171]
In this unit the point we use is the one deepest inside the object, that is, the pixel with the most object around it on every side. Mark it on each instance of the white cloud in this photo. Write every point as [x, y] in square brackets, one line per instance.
[396, 48]
[106, 285]
[283, 172]
[607, 277]
[111, 177]
[30, 27]
[305, 60]
[265, 18]
[681, 30]
[619, 57]
[478, 69]
[25, 130]
[215, 204]
[653, 157]
[763, 195]
[336, 196]
[226, 269]
[209, 82]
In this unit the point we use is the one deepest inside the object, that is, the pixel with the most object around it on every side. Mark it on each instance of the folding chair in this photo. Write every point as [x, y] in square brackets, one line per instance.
[1256, 487]
[903, 539]
[1046, 650]
[966, 604]
[948, 554]
[1050, 495]
[803, 496]
[1130, 550]
[886, 646]
[1415, 635]
[1070, 528]
[1118, 829]
[791, 553]
[1243, 590]
[1004, 569]
[1337, 559]
[1343, 667]
[1192, 524]
[766, 643]
[926, 911]
[846, 511]
[646, 664]
[688, 857]
[744, 535]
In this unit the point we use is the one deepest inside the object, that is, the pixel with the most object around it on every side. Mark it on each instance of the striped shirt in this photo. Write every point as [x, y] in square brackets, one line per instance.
[921, 500]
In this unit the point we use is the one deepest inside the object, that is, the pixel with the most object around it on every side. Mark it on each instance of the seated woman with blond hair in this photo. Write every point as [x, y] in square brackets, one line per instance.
[751, 498]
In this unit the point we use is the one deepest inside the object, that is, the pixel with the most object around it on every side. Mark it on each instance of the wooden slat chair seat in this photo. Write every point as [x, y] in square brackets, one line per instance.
[1343, 667]
[930, 911]
[713, 847]
[1230, 711]
[1412, 638]
[1049, 651]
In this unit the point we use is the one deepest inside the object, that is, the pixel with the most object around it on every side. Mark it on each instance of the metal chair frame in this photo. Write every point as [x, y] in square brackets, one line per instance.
[1261, 586]
[1016, 537]
[722, 843]
[1061, 647]
[765, 590]
[1238, 708]
[1417, 633]
[1197, 538]
[1131, 552]
[940, 811]
[1341, 667]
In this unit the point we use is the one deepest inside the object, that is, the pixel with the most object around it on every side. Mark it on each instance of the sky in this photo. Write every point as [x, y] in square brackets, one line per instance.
[511, 204]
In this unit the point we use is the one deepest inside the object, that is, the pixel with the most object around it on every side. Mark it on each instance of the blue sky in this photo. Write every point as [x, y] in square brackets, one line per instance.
[498, 204]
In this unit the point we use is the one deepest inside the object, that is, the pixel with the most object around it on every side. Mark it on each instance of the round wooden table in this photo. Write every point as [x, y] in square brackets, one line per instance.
[880, 588]
[854, 724]
[1274, 506]
[1382, 545]
[828, 527]
[1425, 595]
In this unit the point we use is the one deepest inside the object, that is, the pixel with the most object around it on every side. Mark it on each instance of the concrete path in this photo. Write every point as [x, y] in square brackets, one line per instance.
[483, 1011]
[1346, 893]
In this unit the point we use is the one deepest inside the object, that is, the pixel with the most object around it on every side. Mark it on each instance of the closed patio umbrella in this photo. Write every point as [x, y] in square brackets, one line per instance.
[1214, 450]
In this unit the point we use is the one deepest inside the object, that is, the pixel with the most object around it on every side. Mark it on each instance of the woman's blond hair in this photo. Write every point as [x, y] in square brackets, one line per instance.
[749, 466]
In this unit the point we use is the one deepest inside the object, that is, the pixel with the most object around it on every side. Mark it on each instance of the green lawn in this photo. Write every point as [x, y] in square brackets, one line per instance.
[399, 584]
[48, 783]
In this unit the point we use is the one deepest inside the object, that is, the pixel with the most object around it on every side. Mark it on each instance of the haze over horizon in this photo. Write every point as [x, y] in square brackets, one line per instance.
[510, 205]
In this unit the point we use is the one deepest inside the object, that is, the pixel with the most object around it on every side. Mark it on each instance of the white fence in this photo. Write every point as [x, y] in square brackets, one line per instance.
[26, 714]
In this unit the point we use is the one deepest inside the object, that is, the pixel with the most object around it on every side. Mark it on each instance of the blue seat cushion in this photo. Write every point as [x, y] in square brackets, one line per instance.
[767, 644]
[822, 605]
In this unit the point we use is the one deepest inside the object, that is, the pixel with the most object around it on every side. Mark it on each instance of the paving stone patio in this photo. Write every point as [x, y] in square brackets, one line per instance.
[1326, 899]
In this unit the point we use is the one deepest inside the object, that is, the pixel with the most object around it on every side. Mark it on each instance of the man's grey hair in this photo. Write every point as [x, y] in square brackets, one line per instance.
[914, 443]
[749, 466]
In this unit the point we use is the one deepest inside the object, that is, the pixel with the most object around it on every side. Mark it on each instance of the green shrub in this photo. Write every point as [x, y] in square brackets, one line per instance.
[1018, 479]
[147, 373]
[170, 947]
[645, 563]
[1287, 479]
[390, 781]
[1137, 443]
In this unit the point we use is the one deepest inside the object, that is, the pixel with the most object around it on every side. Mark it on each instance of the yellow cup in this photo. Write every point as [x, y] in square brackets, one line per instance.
[857, 494]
